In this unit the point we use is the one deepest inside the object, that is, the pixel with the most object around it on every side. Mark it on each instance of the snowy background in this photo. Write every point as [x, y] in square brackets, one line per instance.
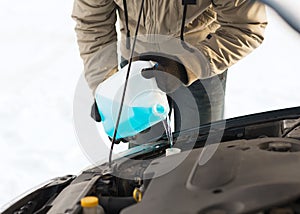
[40, 66]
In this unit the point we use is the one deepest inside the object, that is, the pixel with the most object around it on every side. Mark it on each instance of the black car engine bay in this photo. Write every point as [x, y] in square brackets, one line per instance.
[254, 170]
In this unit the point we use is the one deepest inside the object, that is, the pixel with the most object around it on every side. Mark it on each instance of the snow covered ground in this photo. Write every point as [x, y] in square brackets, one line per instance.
[40, 66]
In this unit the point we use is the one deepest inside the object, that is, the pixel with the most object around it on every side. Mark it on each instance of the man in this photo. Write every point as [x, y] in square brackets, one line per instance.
[224, 31]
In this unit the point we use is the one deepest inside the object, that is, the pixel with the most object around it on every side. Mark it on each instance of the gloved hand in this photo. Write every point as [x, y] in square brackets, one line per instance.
[169, 72]
[96, 116]
[95, 112]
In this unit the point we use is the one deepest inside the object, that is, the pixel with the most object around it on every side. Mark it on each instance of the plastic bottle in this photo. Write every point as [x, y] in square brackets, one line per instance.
[90, 205]
[144, 105]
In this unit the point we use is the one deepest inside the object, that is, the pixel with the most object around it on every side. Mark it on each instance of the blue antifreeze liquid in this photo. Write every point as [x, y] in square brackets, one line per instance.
[133, 119]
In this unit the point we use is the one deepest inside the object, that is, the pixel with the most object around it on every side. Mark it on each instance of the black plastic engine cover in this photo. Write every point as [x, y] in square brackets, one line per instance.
[241, 177]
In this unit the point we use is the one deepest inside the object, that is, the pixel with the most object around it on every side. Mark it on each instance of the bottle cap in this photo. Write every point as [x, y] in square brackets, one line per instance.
[89, 201]
[158, 109]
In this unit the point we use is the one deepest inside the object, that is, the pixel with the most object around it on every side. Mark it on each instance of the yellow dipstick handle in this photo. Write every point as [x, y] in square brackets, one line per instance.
[137, 195]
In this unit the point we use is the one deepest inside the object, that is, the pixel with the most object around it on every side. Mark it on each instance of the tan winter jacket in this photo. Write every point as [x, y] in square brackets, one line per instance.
[223, 30]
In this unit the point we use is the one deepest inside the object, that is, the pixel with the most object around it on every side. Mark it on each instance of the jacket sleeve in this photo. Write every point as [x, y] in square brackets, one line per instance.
[96, 37]
[242, 24]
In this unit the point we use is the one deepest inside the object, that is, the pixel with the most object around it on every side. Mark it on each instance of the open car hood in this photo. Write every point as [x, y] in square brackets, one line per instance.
[254, 170]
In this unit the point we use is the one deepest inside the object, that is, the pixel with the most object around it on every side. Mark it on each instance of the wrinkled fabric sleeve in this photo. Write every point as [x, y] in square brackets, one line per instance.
[96, 37]
[242, 24]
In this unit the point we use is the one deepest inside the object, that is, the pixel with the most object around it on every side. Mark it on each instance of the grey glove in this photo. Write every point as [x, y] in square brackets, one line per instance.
[95, 112]
[169, 72]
